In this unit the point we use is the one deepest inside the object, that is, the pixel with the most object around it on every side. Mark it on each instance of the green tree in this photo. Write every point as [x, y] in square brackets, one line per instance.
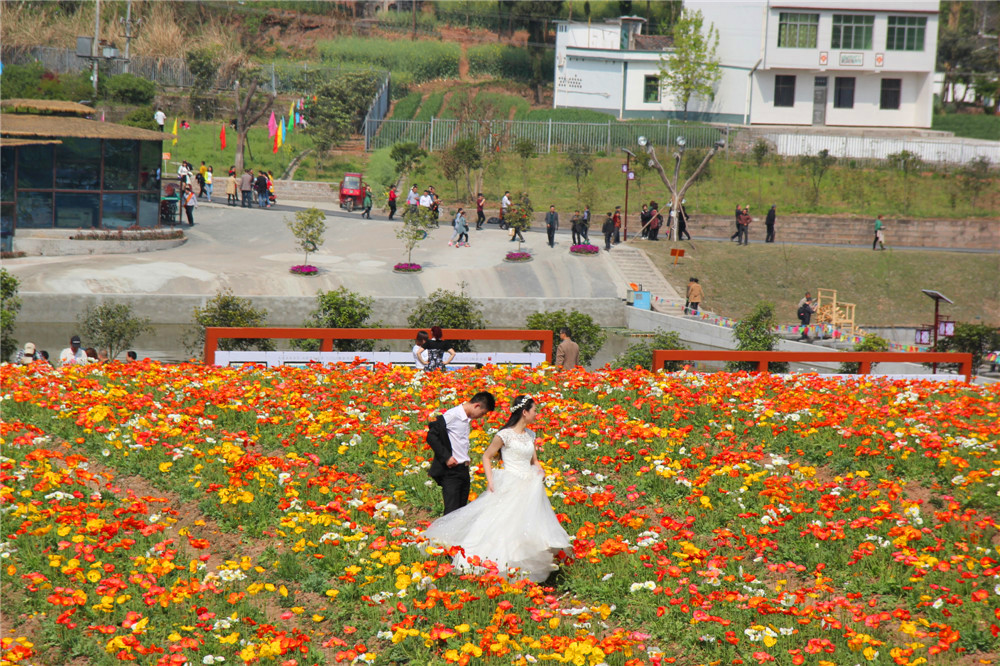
[229, 310]
[759, 152]
[251, 104]
[584, 331]
[692, 69]
[974, 177]
[869, 343]
[112, 326]
[451, 167]
[11, 304]
[756, 333]
[816, 167]
[519, 214]
[526, 150]
[579, 164]
[131, 89]
[641, 354]
[975, 339]
[407, 156]
[308, 227]
[469, 157]
[448, 309]
[340, 108]
[537, 15]
[341, 308]
[141, 117]
[414, 228]
[907, 164]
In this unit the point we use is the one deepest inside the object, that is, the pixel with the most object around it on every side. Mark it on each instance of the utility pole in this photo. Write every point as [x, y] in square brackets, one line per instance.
[413, 10]
[95, 47]
[128, 23]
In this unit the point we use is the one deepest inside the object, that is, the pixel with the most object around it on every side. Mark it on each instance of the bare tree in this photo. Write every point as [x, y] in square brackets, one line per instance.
[250, 107]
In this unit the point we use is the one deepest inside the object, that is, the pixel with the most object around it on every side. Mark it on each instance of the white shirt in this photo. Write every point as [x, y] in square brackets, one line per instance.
[160, 118]
[412, 198]
[504, 202]
[426, 201]
[459, 425]
[67, 357]
[417, 349]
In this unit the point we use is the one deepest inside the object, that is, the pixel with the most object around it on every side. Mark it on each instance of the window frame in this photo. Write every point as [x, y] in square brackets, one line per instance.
[645, 89]
[848, 27]
[789, 22]
[779, 101]
[883, 91]
[841, 90]
[909, 28]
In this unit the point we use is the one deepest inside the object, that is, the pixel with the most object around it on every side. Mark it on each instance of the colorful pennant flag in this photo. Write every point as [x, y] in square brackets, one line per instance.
[277, 138]
[222, 137]
[291, 117]
[272, 126]
[174, 132]
[283, 139]
[280, 135]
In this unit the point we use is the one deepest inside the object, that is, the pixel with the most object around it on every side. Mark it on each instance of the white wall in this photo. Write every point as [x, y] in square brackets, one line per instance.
[591, 83]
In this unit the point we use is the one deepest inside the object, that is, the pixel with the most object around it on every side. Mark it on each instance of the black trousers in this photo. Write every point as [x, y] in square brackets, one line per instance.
[480, 219]
[392, 209]
[682, 230]
[608, 235]
[455, 487]
[577, 236]
[552, 236]
[190, 213]
[770, 234]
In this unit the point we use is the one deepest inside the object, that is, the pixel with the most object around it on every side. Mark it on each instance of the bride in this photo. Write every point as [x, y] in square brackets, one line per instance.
[511, 524]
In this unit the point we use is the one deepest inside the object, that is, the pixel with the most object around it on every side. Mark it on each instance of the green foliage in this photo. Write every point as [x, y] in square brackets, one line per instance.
[759, 152]
[203, 63]
[22, 81]
[142, 117]
[227, 309]
[407, 157]
[505, 62]
[869, 343]
[584, 331]
[430, 108]
[519, 212]
[112, 326]
[381, 170]
[425, 60]
[756, 333]
[414, 228]
[526, 150]
[566, 116]
[984, 126]
[692, 68]
[407, 107]
[692, 160]
[907, 163]
[342, 308]
[502, 103]
[975, 339]
[579, 164]
[10, 304]
[448, 309]
[975, 177]
[131, 89]
[340, 107]
[308, 227]
[641, 354]
[467, 157]
[816, 167]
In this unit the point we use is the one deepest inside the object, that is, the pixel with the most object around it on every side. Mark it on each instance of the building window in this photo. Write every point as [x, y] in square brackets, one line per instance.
[651, 90]
[906, 33]
[843, 92]
[891, 90]
[798, 31]
[852, 31]
[784, 90]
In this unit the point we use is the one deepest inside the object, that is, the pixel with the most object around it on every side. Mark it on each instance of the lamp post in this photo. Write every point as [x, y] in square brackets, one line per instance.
[677, 192]
[627, 169]
[937, 297]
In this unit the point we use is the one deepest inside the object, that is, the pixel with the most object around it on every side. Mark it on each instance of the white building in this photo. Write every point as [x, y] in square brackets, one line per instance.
[787, 62]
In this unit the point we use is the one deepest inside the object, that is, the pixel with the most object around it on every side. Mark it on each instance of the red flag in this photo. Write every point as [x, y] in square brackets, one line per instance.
[222, 137]
[276, 139]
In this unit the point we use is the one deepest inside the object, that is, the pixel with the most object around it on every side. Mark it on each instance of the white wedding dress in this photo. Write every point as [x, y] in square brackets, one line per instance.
[514, 526]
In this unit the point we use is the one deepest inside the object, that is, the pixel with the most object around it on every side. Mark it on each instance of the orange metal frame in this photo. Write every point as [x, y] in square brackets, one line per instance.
[865, 359]
[326, 336]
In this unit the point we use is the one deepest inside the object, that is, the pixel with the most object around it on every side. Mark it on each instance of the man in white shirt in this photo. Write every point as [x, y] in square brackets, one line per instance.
[426, 200]
[73, 355]
[448, 436]
[161, 119]
[504, 203]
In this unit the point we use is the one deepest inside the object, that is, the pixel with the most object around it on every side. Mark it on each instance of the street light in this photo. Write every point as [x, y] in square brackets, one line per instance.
[681, 141]
[628, 176]
[937, 296]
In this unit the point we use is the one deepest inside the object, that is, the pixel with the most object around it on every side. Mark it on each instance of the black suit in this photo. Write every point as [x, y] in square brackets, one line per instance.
[454, 481]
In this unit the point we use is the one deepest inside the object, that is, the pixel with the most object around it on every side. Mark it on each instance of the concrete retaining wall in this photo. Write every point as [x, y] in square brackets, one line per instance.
[60, 247]
[302, 190]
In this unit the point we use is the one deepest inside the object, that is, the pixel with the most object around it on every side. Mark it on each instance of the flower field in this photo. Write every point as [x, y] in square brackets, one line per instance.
[183, 514]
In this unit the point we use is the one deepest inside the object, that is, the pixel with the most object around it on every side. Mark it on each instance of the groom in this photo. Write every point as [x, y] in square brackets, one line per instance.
[448, 436]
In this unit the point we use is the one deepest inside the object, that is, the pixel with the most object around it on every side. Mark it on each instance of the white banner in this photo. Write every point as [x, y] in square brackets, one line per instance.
[304, 359]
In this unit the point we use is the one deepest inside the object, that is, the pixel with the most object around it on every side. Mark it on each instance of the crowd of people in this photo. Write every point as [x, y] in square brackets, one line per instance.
[75, 354]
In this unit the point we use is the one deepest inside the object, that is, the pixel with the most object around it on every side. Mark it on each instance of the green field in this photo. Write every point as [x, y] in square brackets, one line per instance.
[885, 286]
[201, 142]
[969, 126]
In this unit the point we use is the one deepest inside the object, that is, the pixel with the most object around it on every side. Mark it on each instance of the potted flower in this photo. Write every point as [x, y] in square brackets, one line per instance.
[584, 249]
[304, 269]
[407, 268]
[517, 257]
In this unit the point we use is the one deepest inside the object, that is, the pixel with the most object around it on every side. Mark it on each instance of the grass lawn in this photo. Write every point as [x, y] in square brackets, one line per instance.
[201, 142]
[973, 127]
[885, 286]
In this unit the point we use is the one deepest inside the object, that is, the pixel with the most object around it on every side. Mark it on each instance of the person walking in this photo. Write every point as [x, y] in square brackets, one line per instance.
[161, 119]
[480, 213]
[551, 224]
[462, 224]
[608, 229]
[807, 306]
[413, 199]
[574, 224]
[739, 213]
[568, 352]
[744, 231]
[392, 201]
[504, 204]
[232, 189]
[879, 238]
[694, 296]
[769, 224]
[246, 189]
[682, 222]
[260, 187]
[366, 203]
[209, 179]
[585, 224]
[655, 222]
[190, 203]
[644, 218]
[617, 218]
[448, 437]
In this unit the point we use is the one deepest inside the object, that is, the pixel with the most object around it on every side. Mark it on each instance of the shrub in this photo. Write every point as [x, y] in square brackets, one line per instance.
[141, 118]
[641, 354]
[869, 343]
[227, 309]
[22, 81]
[342, 308]
[448, 309]
[112, 326]
[756, 333]
[131, 89]
[584, 331]
[10, 304]
[425, 60]
[975, 339]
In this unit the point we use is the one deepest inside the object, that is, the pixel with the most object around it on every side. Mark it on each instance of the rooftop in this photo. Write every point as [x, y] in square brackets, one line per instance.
[16, 125]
